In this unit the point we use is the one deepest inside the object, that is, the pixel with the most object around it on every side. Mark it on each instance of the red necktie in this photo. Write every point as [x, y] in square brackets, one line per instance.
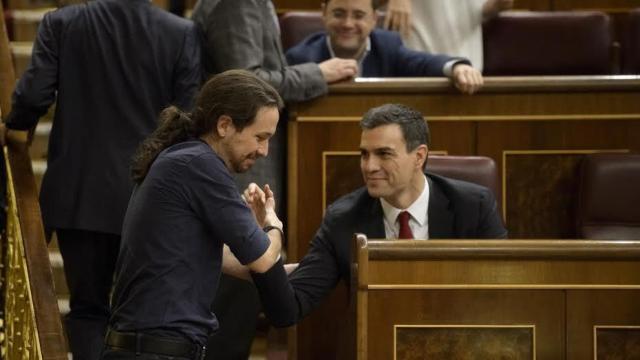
[405, 230]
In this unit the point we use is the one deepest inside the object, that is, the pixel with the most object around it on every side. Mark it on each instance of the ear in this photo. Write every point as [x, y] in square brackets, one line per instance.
[224, 126]
[422, 152]
[325, 15]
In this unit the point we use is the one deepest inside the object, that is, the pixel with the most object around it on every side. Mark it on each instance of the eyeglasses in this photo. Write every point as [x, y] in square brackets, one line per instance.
[343, 15]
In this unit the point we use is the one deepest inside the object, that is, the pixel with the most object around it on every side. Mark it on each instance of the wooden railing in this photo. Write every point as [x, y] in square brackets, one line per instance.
[32, 318]
[496, 299]
[33, 328]
[536, 129]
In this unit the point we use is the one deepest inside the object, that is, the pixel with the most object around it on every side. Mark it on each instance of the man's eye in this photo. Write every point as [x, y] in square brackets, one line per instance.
[338, 14]
[359, 16]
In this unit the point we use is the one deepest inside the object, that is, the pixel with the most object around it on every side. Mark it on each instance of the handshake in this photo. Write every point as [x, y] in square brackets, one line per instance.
[262, 203]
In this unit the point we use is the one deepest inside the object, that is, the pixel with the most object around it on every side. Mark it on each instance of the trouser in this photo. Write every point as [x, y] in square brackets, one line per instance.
[89, 262]
[236, 306]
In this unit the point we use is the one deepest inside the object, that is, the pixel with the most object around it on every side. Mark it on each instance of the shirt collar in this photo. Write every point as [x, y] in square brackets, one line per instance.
[417, 210]
[360, 59]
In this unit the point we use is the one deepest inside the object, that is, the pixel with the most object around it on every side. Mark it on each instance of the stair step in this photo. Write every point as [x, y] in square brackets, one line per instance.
[21, 51]
[26, 21]
[40, 144]
[57, 269]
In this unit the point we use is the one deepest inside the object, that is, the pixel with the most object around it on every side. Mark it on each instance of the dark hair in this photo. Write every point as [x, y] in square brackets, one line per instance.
[375, 4]
[413, 125]
[236, 93]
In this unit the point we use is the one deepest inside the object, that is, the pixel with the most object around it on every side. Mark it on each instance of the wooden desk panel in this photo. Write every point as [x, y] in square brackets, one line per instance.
[523, 123]
[542, 299]
[593, 313]
[484, 310]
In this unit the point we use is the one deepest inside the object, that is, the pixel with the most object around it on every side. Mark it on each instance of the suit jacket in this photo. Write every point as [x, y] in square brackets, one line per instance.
[388, 57]
[457, 209]
[112, 66]
[244, 34]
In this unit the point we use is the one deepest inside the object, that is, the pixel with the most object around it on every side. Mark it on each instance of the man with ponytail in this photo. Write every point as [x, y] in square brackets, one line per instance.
[185, 211]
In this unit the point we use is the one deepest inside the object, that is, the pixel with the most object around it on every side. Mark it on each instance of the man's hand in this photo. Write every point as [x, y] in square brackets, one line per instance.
[263, 204]
[337, 69]
[17, 138]
[466, 78]
[398, 16]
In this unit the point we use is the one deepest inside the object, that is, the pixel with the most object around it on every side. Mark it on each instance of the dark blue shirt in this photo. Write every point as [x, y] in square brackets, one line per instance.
[170, 258]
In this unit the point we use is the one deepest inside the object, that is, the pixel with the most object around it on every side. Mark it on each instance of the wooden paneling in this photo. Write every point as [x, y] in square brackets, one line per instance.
[510, 114]
[617, 343]
[536, 5]
[608, 5]
[542, 299]
[482, 309]
[7, 76]
[451, 342]
[596, 313]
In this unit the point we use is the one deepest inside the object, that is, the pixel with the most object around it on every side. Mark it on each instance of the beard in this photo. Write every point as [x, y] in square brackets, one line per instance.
[244, 164]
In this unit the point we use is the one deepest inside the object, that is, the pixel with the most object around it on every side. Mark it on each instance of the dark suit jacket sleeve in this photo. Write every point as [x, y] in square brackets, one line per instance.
[235, 37]
[316, 276]
[36, 90]
[297, 55]
[409, 62]
[490, 225]
[188, 73]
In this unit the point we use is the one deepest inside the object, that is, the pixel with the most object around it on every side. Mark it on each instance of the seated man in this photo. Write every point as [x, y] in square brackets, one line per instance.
[399, 201]
[350, 34]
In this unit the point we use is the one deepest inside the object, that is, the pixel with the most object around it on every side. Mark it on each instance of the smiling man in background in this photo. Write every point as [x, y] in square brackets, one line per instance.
[351, 34]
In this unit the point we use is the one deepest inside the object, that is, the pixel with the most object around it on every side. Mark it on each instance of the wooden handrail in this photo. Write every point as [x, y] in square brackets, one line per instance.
[491, 84]
[32, 318]
[503, 249]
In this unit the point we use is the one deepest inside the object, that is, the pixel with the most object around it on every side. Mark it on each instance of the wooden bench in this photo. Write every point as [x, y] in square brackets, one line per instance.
[536, 129]
[496, 299]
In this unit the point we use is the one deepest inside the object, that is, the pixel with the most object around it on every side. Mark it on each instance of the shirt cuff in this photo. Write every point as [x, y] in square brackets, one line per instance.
[447, 69]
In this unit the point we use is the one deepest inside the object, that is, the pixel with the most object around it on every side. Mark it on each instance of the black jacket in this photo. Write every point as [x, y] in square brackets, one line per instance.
[457, 209]
[112, 66]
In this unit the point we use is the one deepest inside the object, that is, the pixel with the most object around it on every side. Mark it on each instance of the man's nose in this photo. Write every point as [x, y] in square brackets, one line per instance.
[348, 21]
[263, 150]
[370, 165]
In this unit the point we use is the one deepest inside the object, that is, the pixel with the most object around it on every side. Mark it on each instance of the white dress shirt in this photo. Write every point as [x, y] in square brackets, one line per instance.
[418, 222]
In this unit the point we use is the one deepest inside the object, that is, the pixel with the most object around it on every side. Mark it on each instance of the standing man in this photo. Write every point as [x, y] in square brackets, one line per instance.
[350, 33]
[184, 208]
[110, 66]
[399, 200]
[245, 34]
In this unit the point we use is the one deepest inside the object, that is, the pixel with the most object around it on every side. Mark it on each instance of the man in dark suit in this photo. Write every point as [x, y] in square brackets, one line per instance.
[399, 201]
[111, 66]
[351, 34]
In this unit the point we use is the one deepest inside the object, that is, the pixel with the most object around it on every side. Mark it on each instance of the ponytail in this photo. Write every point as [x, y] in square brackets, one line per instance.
[175, 126]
